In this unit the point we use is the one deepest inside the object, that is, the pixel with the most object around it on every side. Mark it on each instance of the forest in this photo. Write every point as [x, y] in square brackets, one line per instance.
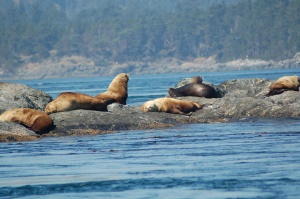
[131, 30]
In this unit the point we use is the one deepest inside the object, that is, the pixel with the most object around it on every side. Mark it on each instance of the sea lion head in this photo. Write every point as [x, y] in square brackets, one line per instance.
[173, 92]
[117, 90]
[149, 106]
[199, 106]
[197, 80]
[51, 108]
[120, 81]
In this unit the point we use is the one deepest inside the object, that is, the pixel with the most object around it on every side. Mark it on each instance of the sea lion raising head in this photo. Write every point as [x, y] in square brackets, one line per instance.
[68, 101]
[283, 84]
[197, 80]
[117, 90]
[35, 120]
[170, 105]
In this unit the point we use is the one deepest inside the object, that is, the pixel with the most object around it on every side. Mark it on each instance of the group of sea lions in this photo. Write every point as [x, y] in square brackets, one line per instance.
[117, 91]
[40, 122]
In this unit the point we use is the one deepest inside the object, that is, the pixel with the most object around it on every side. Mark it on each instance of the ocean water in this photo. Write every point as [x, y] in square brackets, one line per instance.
[253, 158]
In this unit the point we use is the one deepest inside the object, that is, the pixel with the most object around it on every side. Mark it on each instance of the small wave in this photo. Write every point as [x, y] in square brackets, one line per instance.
[231, 185]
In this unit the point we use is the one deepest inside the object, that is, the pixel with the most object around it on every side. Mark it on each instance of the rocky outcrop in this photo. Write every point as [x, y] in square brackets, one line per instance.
[247, 98]
[242, 98]
[21, 96]
[11, 132]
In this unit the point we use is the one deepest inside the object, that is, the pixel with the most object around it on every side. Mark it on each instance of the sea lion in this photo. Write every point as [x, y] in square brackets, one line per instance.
[68, 101]
[197, 80]
[283, 84]
[171, 105]
[35, 120]
[117, 90]
[194, 89]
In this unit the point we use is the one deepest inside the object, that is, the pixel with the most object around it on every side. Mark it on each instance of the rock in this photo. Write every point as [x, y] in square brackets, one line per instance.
[242, 98]
[246, 98]
[182, 82]
[21, 96]
[90, 122]
[11, 132]
[245, 87]
[116, 107]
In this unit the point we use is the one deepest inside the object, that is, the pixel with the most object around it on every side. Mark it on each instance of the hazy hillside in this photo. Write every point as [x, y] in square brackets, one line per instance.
[74, 7]
[122, 31]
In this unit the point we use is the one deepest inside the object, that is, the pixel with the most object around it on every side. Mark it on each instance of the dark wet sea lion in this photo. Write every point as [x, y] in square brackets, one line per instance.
[194, 89]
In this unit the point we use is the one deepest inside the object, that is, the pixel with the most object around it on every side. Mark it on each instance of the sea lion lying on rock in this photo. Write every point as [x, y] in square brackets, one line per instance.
[195, 88]
[117, 90]
[283, 84]
[68, 101]
[35, 120]
[171, 105]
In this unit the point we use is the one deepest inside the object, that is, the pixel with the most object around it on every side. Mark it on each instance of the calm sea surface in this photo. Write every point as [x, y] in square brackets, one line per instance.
[255, 158]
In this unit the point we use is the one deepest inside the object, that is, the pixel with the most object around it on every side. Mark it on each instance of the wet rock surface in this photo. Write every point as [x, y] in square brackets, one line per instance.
[242, 98]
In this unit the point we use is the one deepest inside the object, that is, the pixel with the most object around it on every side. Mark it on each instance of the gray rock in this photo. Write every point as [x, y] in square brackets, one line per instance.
[21, 96]
[116, 107]
[245, 98]
[182, 82]
[11, 132]
[256, 88]
[90, 122]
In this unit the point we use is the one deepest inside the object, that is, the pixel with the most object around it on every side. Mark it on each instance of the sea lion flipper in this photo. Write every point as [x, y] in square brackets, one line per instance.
[176, 110]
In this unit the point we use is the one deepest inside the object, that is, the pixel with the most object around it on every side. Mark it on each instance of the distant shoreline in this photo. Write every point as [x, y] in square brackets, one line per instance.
[75, 66]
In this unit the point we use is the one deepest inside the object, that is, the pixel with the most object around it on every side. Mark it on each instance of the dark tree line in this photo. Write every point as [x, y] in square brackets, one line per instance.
[266, 29]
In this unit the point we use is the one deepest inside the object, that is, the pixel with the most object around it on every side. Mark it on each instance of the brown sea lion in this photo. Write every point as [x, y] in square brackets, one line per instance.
[283, 84]
[171, 105]
[68, 101]
[197, 80]
[35, 120]
[194, 89]
[117, 90]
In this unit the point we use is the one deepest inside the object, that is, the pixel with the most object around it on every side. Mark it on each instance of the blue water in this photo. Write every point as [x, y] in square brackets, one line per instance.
[255, 158]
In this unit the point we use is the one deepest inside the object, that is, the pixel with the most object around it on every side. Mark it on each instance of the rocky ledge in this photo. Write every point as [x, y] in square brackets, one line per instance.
[241, 98]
